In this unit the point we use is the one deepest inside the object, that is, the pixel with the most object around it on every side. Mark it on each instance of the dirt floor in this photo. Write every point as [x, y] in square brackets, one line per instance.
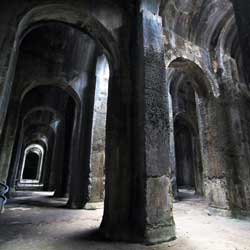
[41, 223]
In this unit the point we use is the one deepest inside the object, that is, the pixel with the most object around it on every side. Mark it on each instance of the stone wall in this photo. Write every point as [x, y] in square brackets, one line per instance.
[210, 41]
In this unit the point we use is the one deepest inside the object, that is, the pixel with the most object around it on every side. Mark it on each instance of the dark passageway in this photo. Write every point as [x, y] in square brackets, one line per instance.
[31, 166]
[59, 100]
[189, 169]
[184, 158]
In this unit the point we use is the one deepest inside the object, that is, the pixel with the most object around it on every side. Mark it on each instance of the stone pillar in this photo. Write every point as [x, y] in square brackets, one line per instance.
[153, 176]
[213, 133]
[7, 142]
[7, 73]
[99, 131]
[242, 10]
[117, 223]
[58, 159]
[15, 161]
[80, 164]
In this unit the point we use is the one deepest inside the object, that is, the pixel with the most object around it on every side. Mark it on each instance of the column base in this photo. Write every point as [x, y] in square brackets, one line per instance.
[220, 212]
[76, 204]
[160, 234]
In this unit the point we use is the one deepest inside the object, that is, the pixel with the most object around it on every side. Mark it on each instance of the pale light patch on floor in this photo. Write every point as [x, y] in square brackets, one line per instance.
[19, 208]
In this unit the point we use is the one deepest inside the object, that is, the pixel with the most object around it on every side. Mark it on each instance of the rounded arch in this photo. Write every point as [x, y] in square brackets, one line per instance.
[78, 18]
[43, 141]
[203, 84]
[54, 113]
[215, 18]
[228, 51]
[54, 118]
[54, 83]
[39, 151]
[229, 37]
[34, 147]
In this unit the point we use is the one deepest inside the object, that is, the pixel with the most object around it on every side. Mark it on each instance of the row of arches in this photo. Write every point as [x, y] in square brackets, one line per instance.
[190, 93]
[64, 69]
[61, 82]
[64, 106]
[37, 104]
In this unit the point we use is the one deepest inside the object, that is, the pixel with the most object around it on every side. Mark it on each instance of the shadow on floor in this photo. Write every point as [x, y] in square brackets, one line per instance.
[30, 216]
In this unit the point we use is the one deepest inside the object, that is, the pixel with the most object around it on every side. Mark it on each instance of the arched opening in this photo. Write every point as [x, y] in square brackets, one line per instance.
[32, 165]
[44, 121]
[184, 157]
[59, 100]
[107, 35]
[189, 168]
[190, 92]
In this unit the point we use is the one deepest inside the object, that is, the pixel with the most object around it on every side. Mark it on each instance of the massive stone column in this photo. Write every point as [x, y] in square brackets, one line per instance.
[153, 181]
[58, 159]
[6, 75]
[213, 132]
[7, 142]
[117, 223]
[242, 10]
[80, 164]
